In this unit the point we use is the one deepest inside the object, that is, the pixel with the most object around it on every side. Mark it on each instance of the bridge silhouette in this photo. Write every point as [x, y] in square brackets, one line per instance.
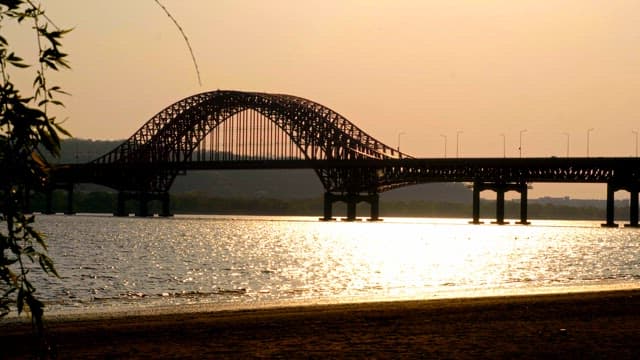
[251, 130]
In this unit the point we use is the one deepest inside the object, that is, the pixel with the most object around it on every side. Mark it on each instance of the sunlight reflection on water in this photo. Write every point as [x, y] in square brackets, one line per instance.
[112, 262]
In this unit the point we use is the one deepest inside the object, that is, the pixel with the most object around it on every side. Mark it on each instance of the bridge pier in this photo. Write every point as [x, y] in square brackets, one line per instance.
[374, 202]
[143, 199]
[610, 221]
[524, 198]
[352, 200]
[476, 204]
[143, 205]
[48, 208]
[633, 207]
[48, 202]
[328, 207]
[500, 189]
[69, 210]
[165, 199]
[120, 205]
[633, 188]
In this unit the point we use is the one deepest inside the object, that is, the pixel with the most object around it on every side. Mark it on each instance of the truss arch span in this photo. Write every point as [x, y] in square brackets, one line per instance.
[178, 131]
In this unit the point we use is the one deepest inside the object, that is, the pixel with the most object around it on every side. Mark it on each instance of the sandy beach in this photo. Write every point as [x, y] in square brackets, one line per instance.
[578, 325]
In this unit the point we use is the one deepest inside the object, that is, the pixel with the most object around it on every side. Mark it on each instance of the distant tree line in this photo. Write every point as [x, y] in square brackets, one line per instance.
[198, 203]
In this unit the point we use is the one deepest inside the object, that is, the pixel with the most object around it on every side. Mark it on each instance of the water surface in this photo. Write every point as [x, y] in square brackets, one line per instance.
[107, 262]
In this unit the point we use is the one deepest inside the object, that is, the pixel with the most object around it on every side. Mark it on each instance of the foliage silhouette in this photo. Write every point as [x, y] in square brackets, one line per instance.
[26, 126]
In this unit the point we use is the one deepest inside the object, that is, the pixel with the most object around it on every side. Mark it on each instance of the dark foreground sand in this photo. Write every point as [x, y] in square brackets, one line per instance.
[581, 325]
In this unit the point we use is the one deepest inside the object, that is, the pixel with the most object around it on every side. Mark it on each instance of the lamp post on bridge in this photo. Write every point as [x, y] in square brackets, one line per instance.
[458, 143]
[520, 146]
[399, 136]
[588, 139]
[567, 135]
[445, 144]
[635, 132]
[504, 145]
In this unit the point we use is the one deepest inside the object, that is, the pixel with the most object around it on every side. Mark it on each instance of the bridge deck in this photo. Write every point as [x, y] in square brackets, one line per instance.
[586, 170]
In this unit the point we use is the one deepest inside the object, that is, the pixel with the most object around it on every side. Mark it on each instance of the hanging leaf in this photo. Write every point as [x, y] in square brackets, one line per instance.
[26, 128]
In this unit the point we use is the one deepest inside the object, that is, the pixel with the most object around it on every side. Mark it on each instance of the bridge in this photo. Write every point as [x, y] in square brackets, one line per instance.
[251, 130]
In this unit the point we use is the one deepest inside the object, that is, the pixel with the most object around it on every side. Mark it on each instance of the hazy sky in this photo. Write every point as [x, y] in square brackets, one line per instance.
[422, 68]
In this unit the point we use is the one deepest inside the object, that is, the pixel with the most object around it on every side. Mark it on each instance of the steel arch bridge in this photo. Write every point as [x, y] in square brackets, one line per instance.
[252, 130]
[246, 126]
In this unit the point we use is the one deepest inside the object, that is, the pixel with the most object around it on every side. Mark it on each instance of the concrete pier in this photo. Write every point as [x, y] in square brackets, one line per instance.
[500, 188]
[352, 201]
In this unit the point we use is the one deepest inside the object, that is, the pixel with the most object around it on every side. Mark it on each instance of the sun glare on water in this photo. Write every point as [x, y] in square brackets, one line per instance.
[247, 260]
[413, 259]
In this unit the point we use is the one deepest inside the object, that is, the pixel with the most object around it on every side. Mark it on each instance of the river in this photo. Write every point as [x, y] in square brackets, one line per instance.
[110, 263]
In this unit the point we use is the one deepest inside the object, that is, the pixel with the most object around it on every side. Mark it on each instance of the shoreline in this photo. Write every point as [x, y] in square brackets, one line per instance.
[593, 324]
[103, 312]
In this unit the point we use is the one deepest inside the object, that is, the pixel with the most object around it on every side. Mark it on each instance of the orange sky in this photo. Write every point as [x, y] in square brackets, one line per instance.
[423, 68]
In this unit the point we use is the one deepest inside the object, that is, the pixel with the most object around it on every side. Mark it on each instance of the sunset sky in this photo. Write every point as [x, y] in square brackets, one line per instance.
[426, 69]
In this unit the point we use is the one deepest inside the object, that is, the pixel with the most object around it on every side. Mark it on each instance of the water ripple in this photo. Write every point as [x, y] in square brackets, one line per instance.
[111, 261]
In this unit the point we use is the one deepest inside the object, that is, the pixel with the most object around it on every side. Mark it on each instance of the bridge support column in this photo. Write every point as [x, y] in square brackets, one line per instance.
[523, 204]
[352, 202]
[27, 201]
[610, 206]
[476, 203]
[500, 190]
[633, 207]
[328, 207]
[120, 205]
[166, 209]
[374, 202]
[69, 210]
[143, 205]
[48, 202]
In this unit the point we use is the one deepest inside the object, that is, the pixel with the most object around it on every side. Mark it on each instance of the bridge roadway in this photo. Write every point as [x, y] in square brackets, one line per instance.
[496, 174]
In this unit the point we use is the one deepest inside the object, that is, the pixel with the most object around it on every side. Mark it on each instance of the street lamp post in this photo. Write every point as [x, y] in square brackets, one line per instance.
[588, 139]
[504, 145]
[635, 132]
[399, 136]
[445, 144]
[458, 143]
[520, 146]
[567, 135]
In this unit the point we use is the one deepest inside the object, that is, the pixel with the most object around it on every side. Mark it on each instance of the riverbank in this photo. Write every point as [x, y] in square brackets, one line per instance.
[577, 325]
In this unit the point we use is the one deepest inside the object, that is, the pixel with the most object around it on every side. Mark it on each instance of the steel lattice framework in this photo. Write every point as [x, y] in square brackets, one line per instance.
[177, 134]
[252, 130]
[511, 170]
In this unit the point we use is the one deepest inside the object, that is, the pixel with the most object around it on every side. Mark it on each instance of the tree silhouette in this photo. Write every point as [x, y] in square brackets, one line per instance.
[27, 130]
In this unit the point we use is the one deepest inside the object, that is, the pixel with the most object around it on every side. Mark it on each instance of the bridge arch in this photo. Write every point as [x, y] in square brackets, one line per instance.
[175, 133]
